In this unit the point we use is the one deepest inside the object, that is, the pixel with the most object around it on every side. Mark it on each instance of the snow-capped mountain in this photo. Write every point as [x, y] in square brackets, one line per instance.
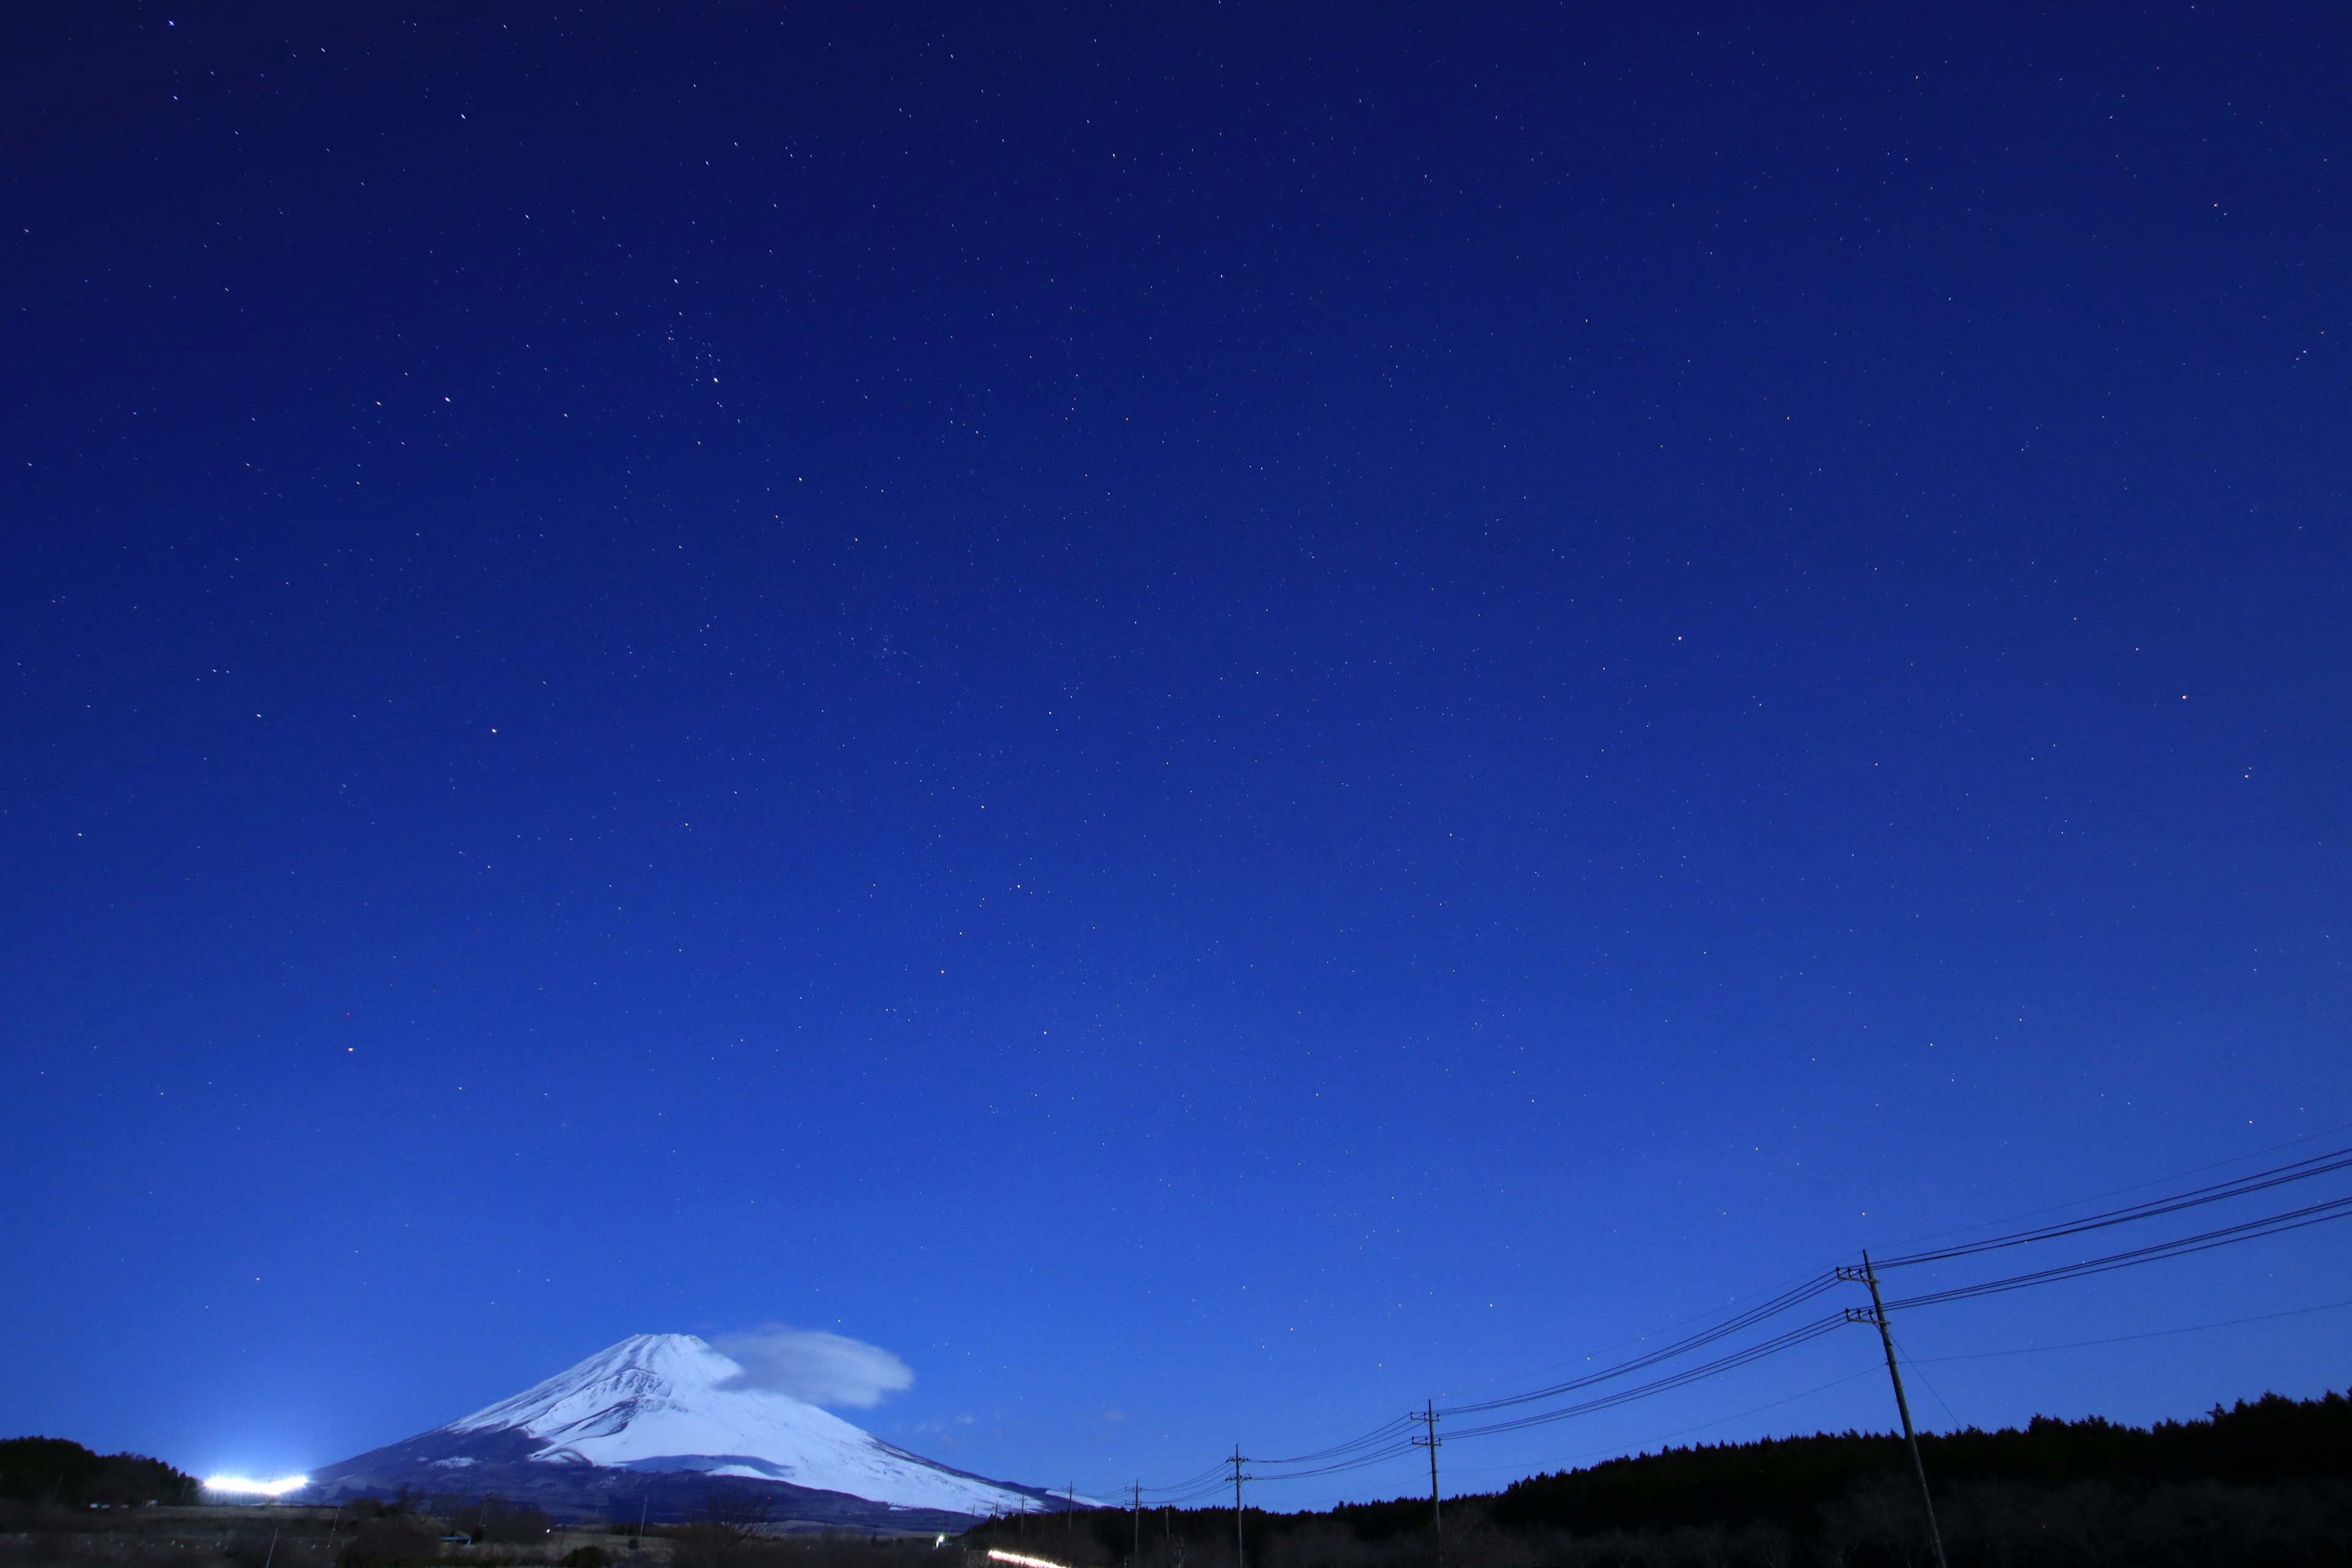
[663, 1421]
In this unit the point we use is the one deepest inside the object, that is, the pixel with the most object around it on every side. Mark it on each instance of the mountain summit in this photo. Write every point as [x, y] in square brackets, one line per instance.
[663, 1422]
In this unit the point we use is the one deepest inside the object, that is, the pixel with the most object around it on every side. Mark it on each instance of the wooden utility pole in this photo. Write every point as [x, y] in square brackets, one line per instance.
[1239, 1561]
[1428, 1417]
[1877, 1317]
[1135, 1517]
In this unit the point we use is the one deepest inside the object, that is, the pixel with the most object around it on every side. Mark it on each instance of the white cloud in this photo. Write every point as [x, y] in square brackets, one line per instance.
[812, 1364]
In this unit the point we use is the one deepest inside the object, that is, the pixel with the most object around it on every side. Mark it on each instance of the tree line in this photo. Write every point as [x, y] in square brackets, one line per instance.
[2259, 1484]
[60, 1473]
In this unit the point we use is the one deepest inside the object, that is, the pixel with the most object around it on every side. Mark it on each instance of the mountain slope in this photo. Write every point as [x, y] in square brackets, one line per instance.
[661, 1421]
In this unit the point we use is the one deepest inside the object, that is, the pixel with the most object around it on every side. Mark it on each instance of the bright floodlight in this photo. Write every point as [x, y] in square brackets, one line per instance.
[242, 1486]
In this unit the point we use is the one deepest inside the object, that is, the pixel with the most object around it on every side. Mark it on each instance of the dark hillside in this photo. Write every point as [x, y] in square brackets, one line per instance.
[55, 1470]
[2261, 1485]
[1789, 1480]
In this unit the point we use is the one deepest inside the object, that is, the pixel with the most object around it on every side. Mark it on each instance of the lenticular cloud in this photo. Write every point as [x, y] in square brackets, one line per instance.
[816, 1366]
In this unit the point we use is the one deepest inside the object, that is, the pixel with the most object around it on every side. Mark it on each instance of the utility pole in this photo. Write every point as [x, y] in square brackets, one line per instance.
[1428, 1418]
[1239, 1561]
[1876, 1316]
[1135, 1517]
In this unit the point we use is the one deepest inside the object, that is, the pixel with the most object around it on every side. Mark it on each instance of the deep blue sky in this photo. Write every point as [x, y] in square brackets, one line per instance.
[1214, 716]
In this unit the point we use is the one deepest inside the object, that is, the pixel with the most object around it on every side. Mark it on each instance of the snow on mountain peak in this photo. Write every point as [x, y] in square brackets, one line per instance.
[641, 1367]
[672, 1401]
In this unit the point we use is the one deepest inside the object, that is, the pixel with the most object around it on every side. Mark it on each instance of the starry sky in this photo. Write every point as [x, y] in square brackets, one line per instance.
[1212, 717]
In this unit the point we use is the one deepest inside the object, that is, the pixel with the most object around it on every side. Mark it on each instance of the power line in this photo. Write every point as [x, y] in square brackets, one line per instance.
[1217, 1480]
[1812, 1287]
[1402, 1446]
[2151, 1334]
[1214, 1473]
[2250, 1230]
[1385, 1430]
[2247, 1231]
[2139, 1186]
[1386, 1441]
[1801, 1334]
[1756, 1295]
[2244, 1231]
[1917, 1364]
[2261, 1180]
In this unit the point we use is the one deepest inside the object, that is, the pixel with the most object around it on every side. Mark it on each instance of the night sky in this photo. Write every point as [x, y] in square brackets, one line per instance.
[1213, 717]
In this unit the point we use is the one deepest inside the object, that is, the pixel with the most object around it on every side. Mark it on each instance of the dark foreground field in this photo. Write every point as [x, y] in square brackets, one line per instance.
[42, 1536]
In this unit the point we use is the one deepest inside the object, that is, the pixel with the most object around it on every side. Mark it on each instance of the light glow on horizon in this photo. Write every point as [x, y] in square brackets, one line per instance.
[1020, 1562]
[243, 1486]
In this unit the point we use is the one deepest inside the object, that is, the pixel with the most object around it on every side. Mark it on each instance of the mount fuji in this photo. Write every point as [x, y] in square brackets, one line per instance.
[666, 1424]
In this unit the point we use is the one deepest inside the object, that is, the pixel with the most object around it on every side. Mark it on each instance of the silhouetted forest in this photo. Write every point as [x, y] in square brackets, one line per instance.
[2264, 1485]
[1789, 1480]
[54, 1470]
